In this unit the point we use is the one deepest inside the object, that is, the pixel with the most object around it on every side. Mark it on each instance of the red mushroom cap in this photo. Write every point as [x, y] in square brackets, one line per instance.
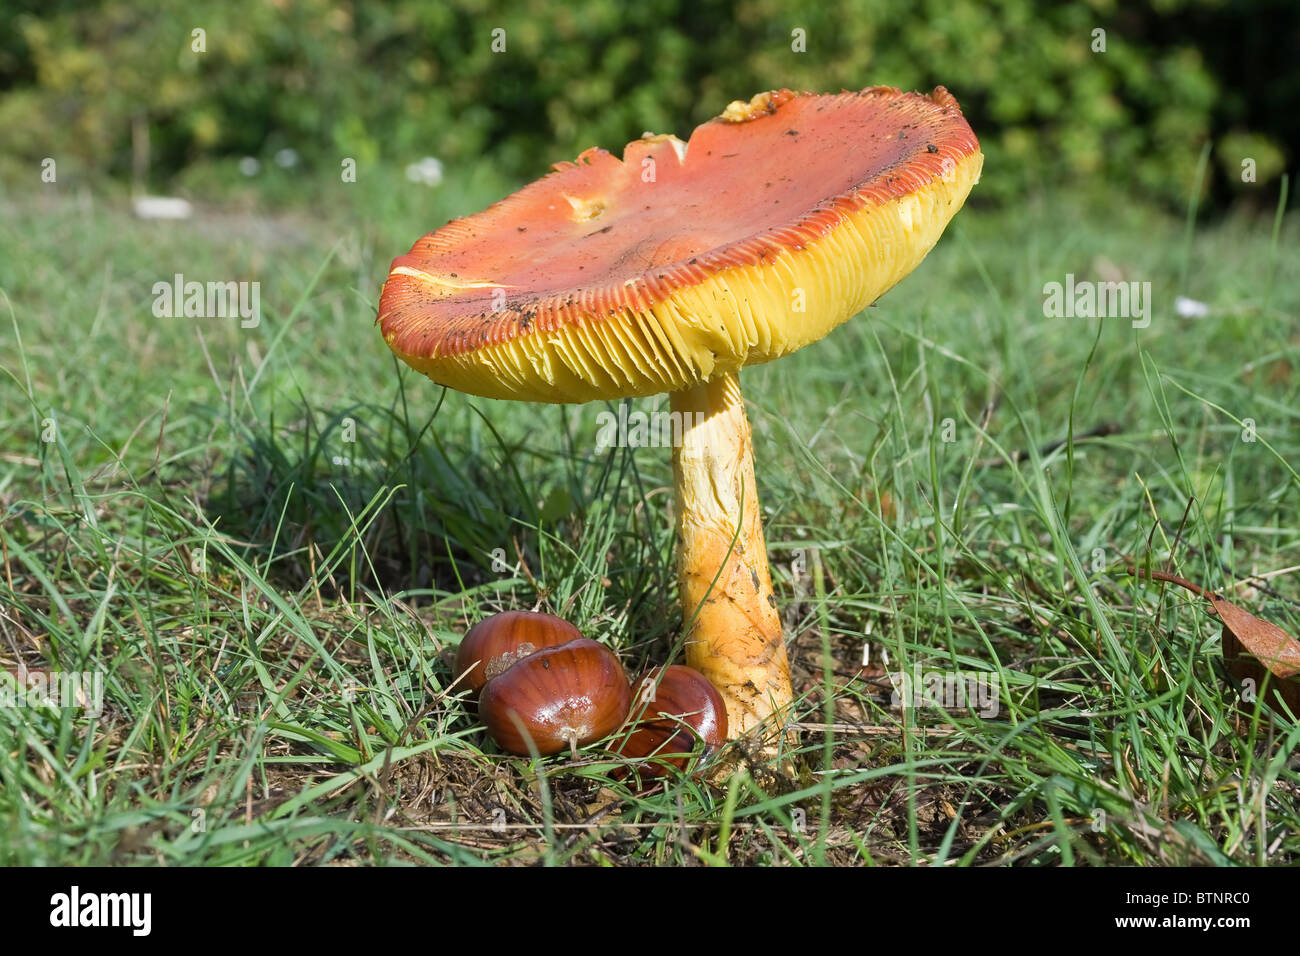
[682, 262]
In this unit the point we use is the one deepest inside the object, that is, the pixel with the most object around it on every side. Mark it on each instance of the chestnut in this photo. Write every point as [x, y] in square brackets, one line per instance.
[496, 642]
[683, 707]
[567, 695]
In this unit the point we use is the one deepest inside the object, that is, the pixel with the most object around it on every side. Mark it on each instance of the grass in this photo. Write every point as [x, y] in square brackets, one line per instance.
[267, 540]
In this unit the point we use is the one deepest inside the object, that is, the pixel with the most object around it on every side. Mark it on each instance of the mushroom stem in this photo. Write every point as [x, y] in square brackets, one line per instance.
[735, 639]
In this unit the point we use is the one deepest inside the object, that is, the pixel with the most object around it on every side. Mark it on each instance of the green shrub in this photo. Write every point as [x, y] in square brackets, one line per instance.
[398, 80]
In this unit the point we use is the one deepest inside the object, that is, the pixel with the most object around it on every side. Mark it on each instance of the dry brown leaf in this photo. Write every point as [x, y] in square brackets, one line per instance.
[1253, 649]
[1243, 668]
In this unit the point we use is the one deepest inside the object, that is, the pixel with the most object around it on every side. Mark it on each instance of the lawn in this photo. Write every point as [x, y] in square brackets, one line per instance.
[267, 539]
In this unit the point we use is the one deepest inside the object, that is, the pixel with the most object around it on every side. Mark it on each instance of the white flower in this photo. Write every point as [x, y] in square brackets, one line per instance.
[427, 171]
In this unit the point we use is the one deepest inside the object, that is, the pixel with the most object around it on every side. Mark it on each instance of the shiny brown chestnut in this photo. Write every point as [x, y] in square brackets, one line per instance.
[683, 707]
[496, 642]
[561, 696]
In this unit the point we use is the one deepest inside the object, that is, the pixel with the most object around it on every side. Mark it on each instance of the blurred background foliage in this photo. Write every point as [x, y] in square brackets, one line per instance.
[121, 89]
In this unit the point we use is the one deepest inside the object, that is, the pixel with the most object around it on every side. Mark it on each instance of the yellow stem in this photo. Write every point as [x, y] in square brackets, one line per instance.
[736, 639]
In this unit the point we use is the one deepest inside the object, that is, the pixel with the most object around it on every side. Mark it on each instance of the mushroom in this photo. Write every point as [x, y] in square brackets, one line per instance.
[669, 271]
